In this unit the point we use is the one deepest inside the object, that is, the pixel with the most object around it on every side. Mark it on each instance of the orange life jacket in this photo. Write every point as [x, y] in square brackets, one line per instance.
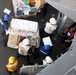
[12, 67]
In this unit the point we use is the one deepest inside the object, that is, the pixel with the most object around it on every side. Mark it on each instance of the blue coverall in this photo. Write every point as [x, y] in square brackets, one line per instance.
[4, 26]
[43, 52]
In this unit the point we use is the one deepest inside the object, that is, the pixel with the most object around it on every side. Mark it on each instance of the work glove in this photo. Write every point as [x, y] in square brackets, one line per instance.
[7, 32]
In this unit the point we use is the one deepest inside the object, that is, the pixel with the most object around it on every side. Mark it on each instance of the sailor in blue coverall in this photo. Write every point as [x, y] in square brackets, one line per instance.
[44, 50]
[4, 25]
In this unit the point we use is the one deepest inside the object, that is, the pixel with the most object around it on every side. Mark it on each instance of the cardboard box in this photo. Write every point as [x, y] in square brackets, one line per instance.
[13, 40]
[32, 1]
[33, 41]
[40, 4]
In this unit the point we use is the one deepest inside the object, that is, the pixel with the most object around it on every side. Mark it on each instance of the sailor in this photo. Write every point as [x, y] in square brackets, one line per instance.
[12, 64]
[50, 27]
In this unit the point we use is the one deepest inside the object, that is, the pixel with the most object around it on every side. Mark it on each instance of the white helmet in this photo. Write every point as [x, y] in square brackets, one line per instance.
[48, 59]
[26, 41]
[53, 21]
[45, 62]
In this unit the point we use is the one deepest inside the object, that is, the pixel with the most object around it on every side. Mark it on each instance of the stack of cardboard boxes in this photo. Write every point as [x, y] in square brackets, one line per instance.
[22, 28]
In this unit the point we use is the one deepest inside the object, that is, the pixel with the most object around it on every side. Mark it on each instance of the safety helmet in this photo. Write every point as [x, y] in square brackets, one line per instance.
[7, 16]
[45, 62]
[26, 41]
[47, 47]
[48, 59]
[53, 21]
[11, 59]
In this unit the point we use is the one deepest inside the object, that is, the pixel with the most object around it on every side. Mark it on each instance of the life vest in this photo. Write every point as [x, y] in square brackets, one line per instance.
[12, 67]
